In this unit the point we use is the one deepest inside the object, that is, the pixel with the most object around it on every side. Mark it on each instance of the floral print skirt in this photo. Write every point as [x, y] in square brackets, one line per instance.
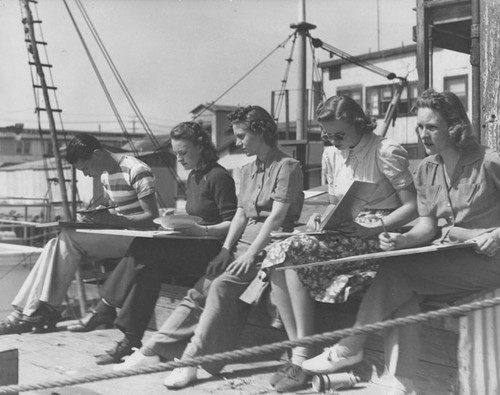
[329, 283]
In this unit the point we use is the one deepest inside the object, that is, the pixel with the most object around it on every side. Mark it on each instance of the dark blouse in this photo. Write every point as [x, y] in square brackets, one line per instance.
[211, 195]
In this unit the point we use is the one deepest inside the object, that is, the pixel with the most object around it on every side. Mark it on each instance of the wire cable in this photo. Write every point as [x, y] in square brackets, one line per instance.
[281, 45]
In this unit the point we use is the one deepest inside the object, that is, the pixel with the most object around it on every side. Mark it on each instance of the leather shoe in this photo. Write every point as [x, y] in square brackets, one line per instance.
[294, 380]
[329, 361]
[121, 349]
[13, 324]
[94, 320]
[280, 373]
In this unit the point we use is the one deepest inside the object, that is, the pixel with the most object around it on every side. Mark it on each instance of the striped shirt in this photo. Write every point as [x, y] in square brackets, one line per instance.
[129, 182]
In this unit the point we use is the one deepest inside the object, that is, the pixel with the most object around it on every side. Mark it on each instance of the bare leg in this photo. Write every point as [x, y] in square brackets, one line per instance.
[281, 298]
[302, 304]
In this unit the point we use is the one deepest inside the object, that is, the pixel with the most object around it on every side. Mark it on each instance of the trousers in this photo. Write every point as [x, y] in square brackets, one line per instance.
[134, 285]
[55, 268]
[211, 318]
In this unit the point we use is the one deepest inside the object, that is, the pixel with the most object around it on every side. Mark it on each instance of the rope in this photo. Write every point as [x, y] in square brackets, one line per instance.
[281, 93]
[208, 106]
[235, 355]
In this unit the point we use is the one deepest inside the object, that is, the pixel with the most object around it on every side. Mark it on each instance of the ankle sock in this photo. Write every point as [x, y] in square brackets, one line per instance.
[146, 351]
[103, 307]
[299, 355]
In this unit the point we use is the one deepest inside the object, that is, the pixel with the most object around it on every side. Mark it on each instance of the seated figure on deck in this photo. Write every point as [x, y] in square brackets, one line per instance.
[458, 184]
[357, 154]
[270, 198]
[130, 186]
[135, 283]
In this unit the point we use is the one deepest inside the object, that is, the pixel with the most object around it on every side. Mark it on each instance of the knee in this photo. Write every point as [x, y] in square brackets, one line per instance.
[225, 287]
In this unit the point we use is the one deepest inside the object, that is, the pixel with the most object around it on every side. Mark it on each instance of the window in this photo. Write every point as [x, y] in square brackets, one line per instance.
[334, 72]
[408, 99]
[354, 93]
[459, 86]
[378, 99]
[23, 147]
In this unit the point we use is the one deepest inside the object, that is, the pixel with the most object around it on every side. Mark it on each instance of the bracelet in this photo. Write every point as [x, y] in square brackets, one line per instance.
[206, 231]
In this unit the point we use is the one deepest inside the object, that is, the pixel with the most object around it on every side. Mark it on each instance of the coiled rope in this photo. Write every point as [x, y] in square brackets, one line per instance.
[236, 355]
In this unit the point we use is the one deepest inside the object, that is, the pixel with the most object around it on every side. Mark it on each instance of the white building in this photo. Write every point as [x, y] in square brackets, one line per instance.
[452, 71]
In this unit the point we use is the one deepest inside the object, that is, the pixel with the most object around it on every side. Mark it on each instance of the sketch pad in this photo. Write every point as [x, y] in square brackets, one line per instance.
[358, 195]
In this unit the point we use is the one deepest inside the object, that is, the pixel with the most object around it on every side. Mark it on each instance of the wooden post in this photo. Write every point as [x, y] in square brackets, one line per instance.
[490, 70]
[9, 367]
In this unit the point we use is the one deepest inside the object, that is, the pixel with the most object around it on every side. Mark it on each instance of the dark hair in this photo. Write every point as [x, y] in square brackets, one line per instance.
[81, 147]
[450, 107]
[257, 121]
[344, 108]
[192, 131]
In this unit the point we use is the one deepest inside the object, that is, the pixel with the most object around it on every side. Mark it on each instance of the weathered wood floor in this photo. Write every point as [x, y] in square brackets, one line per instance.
[63, 355]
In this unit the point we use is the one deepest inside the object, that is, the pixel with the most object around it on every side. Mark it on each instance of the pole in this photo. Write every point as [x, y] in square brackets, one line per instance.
[302, 28]
[301, 122]
[48, 108]
[475, 61]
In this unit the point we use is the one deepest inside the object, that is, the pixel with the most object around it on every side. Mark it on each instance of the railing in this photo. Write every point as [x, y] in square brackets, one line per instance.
[23, 224]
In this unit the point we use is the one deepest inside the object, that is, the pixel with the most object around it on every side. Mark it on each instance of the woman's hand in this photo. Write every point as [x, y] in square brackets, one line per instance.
[241, 265]
[391, 241]
[487, 244]
[219, 263]
[314, 222]
[195, 230]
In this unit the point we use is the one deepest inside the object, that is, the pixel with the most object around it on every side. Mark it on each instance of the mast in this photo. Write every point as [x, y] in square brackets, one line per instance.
[29, 30]
[303, 30]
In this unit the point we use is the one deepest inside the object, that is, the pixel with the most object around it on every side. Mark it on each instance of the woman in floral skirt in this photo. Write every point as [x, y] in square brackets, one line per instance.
[357, 154]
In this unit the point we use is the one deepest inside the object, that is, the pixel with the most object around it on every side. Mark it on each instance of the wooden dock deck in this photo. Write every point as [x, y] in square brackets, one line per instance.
[65, 355]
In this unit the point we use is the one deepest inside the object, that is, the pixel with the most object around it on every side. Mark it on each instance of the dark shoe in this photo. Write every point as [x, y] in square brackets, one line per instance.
[94, 320]
[14, 324]
[276, 377]
[295, 379]
[43, 320]
[122, 348]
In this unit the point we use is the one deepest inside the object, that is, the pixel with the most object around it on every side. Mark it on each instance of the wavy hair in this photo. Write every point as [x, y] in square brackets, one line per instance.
[81, 147]
[345, 108]
[450, 107]
[193, 132]
[257, 121]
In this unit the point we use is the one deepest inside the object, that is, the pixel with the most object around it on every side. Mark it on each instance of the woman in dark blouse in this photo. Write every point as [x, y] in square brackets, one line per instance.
[135, 283]
[270, 197]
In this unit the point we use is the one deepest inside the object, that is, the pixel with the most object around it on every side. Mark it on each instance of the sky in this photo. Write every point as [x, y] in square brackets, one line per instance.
[176, 54]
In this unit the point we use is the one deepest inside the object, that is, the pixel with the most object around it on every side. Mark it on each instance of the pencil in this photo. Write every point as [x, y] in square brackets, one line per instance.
[383, 227]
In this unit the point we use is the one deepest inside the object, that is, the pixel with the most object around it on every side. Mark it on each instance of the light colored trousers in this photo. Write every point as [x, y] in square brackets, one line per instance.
[211, 317]
[55, 269]
[401, 284]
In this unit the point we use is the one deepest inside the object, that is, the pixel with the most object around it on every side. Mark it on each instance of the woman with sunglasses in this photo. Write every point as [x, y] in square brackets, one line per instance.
[357, 153]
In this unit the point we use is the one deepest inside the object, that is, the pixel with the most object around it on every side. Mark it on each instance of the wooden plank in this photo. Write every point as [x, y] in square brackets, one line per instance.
[479, 350]
[384, 254]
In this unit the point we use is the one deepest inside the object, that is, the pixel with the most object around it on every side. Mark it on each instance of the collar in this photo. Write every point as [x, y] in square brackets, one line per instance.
[262, 165]
[362, 148]
[468, 155]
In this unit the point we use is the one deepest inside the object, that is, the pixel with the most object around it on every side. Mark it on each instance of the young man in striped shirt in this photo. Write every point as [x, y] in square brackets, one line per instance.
[128, 185]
